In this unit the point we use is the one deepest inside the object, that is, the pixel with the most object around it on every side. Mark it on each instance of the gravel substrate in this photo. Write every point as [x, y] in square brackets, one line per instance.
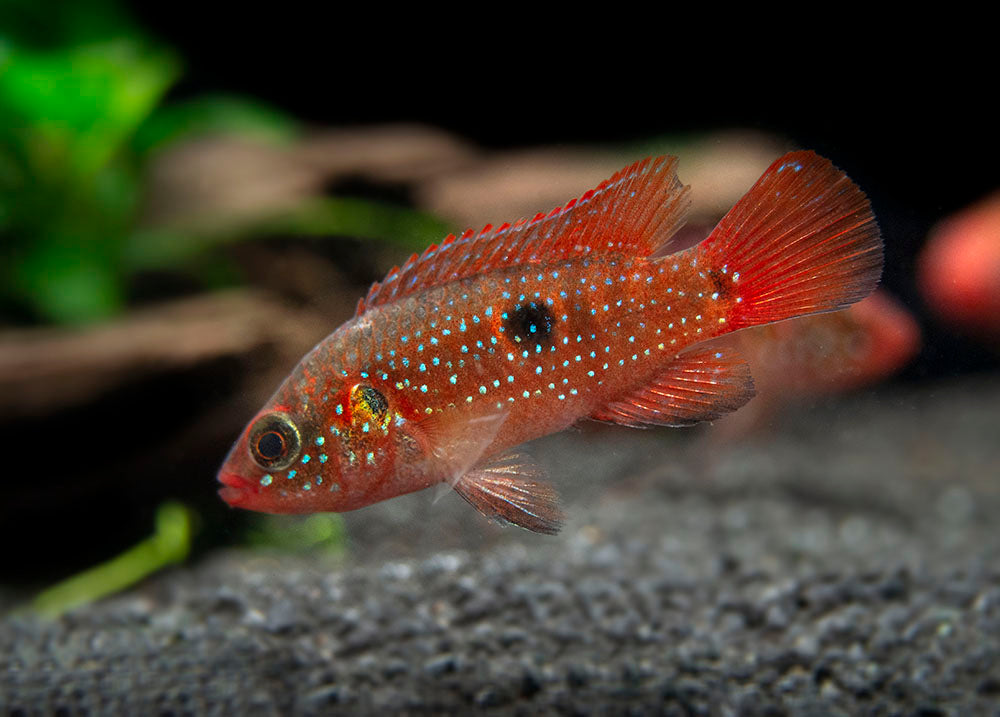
[846, 563]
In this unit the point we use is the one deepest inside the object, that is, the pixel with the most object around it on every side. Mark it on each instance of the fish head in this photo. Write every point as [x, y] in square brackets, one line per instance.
[319, 445]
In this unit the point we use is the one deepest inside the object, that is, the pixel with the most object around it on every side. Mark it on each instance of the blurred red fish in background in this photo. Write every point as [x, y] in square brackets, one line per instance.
[820, 355]
[959, 271]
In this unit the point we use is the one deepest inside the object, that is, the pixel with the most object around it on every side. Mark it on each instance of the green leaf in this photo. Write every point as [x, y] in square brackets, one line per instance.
[325, 532]
[69, 182]
[168, 545]
[73, 108]
[68, 284]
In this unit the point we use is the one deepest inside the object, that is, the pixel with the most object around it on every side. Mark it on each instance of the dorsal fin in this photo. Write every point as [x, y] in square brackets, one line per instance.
[635, 212]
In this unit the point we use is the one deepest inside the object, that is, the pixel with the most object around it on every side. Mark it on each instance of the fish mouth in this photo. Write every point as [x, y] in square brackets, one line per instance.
[236, 490]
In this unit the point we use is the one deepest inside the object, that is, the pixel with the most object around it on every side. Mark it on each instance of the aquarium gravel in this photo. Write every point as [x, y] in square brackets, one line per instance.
[845, 563]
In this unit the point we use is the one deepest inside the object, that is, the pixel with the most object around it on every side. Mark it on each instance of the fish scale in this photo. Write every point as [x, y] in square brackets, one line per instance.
[496, 338]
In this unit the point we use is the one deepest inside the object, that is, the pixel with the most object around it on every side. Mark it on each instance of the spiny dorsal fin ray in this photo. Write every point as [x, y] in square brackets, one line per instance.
[635, 212]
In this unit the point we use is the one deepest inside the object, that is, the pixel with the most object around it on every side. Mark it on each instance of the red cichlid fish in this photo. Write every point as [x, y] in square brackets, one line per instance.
[498, 337]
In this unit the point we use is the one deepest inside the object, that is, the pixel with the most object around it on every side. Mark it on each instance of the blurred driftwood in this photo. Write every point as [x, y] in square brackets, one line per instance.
[227, 178]
[510, 185]
[388, 153]
[43, 370]
[235, 179]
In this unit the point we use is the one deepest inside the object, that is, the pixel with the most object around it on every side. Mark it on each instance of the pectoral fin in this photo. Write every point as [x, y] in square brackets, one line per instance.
[445, 448]
[509, 490]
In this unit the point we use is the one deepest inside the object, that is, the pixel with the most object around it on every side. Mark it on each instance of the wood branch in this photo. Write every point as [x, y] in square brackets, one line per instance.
[50, 368]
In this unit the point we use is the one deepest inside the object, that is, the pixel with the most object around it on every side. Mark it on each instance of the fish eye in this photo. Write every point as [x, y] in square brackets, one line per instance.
[271, 446]
[274, 441]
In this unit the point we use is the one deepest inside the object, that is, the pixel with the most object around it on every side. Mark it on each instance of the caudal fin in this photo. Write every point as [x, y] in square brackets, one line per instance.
[802, 241]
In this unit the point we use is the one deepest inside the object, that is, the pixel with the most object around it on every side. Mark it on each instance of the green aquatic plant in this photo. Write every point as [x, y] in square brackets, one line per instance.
[320, 532]
[67, 188]
[170, 544]
[83, 113]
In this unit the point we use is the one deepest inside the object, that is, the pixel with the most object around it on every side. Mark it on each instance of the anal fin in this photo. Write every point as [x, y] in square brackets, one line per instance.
[509, 489]
[699, 385]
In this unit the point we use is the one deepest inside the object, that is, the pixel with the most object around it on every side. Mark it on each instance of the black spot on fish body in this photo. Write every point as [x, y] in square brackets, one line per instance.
[722, 284]
[529, 323]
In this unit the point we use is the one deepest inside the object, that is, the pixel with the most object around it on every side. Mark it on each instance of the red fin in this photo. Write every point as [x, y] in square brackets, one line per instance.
[803, 240]
[635, 212]
[509, 490]
[451, 446]
[699, 385]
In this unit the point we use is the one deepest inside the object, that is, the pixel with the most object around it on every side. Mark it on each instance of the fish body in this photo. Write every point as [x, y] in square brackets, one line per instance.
[498, 337]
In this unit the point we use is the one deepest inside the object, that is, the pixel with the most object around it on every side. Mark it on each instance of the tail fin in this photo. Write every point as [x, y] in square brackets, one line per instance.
[803, 240]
